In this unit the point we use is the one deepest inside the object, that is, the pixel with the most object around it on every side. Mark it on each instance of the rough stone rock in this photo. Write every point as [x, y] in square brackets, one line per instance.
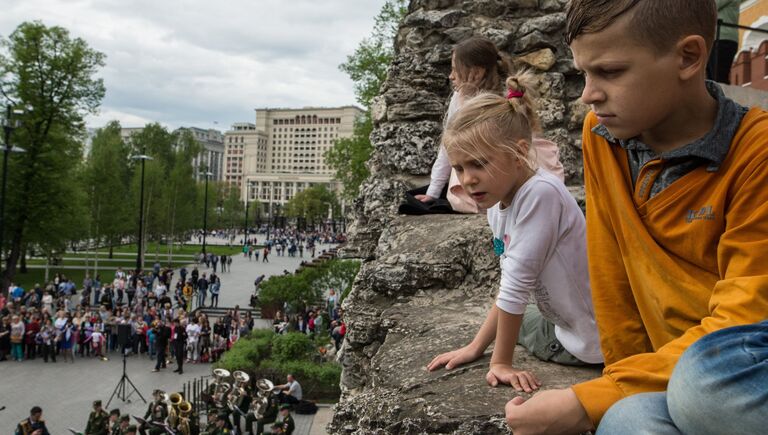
[427, 282]
[542, 60]
[427, 292]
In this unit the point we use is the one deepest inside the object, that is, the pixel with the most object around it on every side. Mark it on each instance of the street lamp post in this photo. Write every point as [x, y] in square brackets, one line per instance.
[139, 252]
[8, 126]
[205, 212]
[245, 233]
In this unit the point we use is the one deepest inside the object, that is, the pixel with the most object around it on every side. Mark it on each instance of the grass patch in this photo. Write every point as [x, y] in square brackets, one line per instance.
[37, 276]
[162, 249]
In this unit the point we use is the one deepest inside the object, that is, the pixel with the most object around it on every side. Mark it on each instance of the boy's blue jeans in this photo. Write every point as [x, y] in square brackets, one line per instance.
[719, 386]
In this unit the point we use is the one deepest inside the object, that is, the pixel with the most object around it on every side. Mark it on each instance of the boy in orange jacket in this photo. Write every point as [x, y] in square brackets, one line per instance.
[677, 231]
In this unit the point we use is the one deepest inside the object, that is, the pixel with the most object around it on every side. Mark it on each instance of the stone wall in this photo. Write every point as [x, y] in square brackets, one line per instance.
[408, 114]
[427, 292]
[428, 282]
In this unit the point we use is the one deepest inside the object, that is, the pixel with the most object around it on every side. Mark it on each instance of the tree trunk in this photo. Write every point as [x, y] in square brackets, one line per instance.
[111, 250]
[23, 265]
[13, 258]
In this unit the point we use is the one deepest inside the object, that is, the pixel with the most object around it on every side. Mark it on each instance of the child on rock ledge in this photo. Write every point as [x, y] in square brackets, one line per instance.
[539, 235]
[478, 66]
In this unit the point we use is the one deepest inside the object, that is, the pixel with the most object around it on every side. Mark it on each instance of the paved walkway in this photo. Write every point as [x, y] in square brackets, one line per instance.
[65, 390]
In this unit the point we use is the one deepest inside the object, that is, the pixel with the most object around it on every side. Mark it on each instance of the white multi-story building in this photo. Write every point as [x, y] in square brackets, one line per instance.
[243, 139]
[211, 155]
[283, 152]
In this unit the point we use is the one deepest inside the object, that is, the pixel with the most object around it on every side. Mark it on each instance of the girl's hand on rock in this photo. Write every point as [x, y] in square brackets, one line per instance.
[454, 358]
[520, 380]
[424, 198]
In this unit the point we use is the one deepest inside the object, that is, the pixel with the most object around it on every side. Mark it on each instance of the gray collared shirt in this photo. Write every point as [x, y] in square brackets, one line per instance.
[711, 149]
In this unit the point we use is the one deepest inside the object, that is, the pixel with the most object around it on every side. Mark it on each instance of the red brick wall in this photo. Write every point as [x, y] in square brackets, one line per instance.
[751, 68]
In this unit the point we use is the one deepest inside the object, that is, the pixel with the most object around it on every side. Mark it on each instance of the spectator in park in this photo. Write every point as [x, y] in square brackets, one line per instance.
[215, 288]
[202, 289]
[17, 337]
[5, 337]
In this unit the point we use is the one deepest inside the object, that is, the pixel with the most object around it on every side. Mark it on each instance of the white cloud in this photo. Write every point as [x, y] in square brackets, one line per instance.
[195, 62]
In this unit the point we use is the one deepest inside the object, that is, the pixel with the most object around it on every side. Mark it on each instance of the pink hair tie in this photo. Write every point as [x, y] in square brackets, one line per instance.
[515, 94]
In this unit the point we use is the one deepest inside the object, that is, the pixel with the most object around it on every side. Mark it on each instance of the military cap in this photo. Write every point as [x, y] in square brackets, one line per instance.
[97, 403]
[125, 417]
[115, 411]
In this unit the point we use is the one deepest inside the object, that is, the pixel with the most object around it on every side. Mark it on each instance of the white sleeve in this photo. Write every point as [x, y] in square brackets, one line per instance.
[441, 172]
[532, 241]
[441, 169]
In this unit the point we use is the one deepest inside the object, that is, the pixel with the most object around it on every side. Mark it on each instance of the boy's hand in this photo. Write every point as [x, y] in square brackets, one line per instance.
[455, 358]
[555, 412]
[424, 198]
[520, 380]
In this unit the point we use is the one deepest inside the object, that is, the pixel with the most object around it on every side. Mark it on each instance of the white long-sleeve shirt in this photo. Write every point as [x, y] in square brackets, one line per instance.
[541, 239]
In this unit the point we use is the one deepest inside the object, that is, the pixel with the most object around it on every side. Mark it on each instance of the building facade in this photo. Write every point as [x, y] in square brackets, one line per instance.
[284, 153]
[211, 155]
[750, 69]
[241, 140]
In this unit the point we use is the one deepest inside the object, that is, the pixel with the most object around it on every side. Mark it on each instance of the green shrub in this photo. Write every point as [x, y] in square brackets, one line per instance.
[292, 346]
[248, 351]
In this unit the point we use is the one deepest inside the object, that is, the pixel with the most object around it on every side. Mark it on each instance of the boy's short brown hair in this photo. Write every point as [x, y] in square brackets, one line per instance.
[660, 23]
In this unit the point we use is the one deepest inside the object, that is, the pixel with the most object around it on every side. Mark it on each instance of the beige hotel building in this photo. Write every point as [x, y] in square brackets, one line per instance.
[283, 152]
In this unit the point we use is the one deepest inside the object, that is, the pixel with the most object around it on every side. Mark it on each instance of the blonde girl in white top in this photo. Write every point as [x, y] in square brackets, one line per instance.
[539, 236]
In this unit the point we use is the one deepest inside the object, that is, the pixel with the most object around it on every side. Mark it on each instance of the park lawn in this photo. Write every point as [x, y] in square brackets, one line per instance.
[178, 249]
[37, 276]
[128, 263]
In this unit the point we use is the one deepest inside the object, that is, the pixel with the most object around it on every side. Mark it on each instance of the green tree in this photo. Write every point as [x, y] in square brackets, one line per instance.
[43, 67]
[367, 68]
[107, 184]
[312, 204]
[180, 193]
[348, 157]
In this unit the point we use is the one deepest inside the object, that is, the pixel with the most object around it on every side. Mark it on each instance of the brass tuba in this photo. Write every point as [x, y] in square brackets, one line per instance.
[221, 387]
[185, 409]
[173, 410]
[260, 403]
[236, 395]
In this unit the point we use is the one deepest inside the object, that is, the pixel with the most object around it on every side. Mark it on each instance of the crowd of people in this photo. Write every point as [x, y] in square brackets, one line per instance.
[315, 320]
[59, 321]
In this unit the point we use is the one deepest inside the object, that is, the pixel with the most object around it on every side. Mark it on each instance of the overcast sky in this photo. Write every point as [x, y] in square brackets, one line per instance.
[196, 62]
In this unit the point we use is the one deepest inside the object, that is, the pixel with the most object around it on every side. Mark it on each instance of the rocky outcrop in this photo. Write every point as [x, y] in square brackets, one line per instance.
[428, 282]
[408, 114]
[427, 292]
